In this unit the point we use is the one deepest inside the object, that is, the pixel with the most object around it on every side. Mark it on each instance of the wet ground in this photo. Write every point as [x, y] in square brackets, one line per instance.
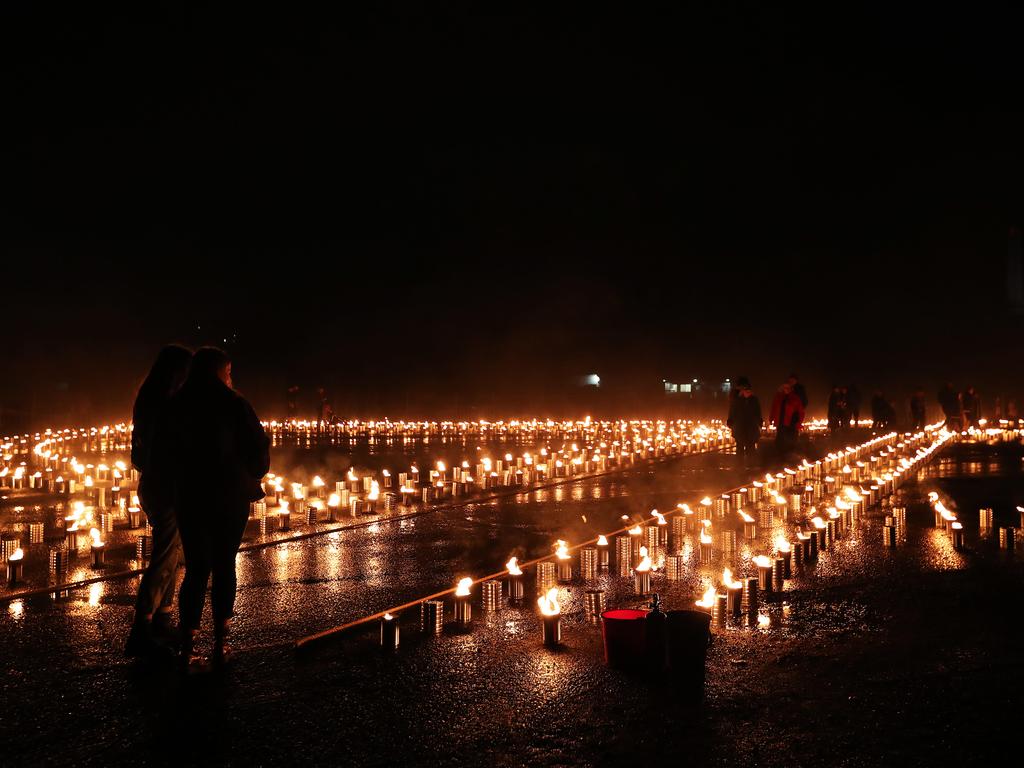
[875, 656]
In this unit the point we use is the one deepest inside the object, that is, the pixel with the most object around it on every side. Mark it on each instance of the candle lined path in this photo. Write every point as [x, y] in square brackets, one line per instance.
[833, 463]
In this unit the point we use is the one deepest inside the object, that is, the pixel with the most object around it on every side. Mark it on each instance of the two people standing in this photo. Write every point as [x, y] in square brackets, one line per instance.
[211, 452]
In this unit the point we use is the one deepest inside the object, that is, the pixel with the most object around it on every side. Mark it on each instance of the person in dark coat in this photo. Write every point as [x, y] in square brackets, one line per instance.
[853, 404]
[220, 453]
[836, 408]
[950, 404]
[156, 590]
[745, 421]
[970, 407]
[787, 416]
[917, 411]
[878, 410]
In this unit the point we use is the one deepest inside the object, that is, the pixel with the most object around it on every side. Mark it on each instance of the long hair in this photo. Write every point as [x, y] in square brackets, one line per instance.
[164, 379]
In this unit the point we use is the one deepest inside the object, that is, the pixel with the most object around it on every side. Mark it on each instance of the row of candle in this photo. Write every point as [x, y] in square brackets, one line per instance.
[640, 548]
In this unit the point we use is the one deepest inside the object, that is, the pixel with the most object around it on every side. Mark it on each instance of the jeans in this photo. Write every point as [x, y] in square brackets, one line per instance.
[156, 590]
[211, 536]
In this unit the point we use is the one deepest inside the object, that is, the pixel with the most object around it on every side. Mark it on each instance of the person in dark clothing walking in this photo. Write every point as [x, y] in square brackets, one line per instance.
[745, 421]
[221, 454]
[787, 416]
[917, 411]
[877, 410]
[950, 404]
[970, 407]
[853, 404]
[836, 409]
[156, 590]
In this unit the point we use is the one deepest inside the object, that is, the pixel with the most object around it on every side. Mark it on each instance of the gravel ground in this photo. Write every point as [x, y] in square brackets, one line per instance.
[876, 656]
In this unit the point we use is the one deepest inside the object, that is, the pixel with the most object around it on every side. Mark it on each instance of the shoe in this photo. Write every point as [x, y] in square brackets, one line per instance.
[187, 651]
[222, 650]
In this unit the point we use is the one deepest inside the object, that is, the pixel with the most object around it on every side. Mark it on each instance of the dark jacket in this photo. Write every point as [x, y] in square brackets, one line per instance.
[217, 447]
[745, 419]
[154, 481]
[950, 403]
[787, 410]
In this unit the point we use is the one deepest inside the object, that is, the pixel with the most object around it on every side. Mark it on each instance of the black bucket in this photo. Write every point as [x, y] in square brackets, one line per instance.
[689, 635]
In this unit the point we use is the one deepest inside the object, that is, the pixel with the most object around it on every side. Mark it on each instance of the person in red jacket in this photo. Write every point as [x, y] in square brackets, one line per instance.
[788, 417]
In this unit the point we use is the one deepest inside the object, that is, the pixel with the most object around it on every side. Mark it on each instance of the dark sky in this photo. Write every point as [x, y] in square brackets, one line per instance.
[443, 207]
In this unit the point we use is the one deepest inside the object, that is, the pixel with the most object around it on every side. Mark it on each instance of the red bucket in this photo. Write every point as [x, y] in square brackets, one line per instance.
[624, 638]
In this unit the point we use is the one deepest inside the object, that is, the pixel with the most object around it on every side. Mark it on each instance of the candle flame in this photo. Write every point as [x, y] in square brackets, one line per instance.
[762, 561]
[728, 581]
[549, 603]
[513, 567]
[781, 545]
[463, 588]
[645, 561]
[562, 550]
[746, 518]
[708, 599]
[96, 540]
[17, 554]
[602, 540]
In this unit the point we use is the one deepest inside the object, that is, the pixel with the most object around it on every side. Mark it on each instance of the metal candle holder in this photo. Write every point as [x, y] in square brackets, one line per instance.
[750, 595]
[389, 633]
[889, 535]
[719, 611]
[36, 533]
[463, 611]
[551, 630]
[728, 541]
[588, 562]
[674, 566]
[623, 555]
[432, 617]
[778, 573]
[515, 587]
[594, 603]
[563, 569]
[986, 520]
[58, 560]
[15, 569]
[490, 595]
[642, 582]
[144, 547]
[1007, 539]
[957, 535]
[764, 579]
[602, 556]
[545, 576]
[734, 597]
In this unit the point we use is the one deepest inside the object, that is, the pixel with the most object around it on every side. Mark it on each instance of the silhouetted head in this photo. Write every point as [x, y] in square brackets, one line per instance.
[167, 374]
[210, 365]
[793, 379]
[786, 388]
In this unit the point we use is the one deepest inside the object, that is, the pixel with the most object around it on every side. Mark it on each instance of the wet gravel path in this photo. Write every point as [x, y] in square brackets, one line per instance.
[878, 656]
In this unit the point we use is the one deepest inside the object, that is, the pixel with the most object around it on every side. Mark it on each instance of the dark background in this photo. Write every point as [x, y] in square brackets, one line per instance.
[454, 210]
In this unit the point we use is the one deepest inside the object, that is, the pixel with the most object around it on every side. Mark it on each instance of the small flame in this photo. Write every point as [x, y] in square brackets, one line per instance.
[513, 567]
[549, 603]
[562, 550]
[96, 540]
[762, 561]
[17, 554]
[463, 588]
[746, 518]
[388, 617]
[706, 501]
[636, 530]
[728, 581]
[708, 600]
[319, 483]
[602, 540]
[645, 561]
[781, 545]
[661, 517]
[705, 537]
[334, 500]
[763, 621]
[818, 522]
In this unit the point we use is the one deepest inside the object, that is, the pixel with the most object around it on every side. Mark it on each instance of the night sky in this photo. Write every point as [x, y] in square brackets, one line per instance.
[452, 210]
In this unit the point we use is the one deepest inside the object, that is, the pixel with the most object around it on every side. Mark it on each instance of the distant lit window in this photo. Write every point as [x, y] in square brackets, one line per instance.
[686, 388]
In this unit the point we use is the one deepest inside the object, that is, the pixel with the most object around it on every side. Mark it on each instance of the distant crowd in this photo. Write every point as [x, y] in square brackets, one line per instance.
[961, 410]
